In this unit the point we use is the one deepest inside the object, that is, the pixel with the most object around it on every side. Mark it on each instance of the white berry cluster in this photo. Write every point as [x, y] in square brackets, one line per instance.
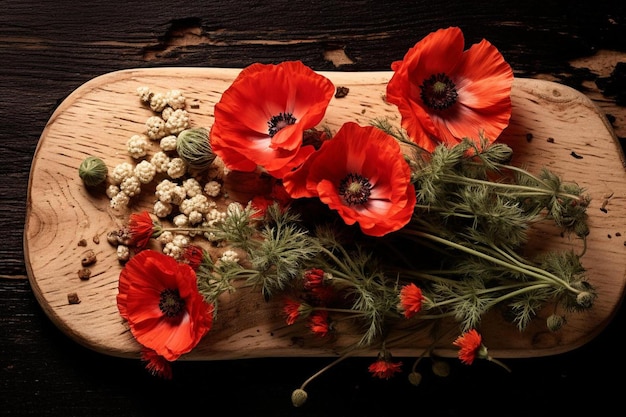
[179, 197]
[171, 118]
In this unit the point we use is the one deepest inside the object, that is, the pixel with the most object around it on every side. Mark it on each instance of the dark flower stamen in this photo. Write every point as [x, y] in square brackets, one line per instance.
[279, 121]
[355, 189]
[438, 92]
[170, 303]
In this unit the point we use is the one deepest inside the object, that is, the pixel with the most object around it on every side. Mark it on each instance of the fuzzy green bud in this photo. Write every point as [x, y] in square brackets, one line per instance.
[585, 299]
[298, 397]
[441, 368]
[499, 153]
[581, 228]
[555, 322]
[415, 378]
[92, 171]
[193, 147]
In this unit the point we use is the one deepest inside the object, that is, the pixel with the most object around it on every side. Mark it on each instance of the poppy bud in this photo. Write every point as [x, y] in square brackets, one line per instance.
[92, 171]
[194, 148]
[555, 322]
[415, 378]
[298, 397]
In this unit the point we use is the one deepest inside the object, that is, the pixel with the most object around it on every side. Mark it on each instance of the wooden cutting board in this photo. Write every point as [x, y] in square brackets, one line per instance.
[552, 125]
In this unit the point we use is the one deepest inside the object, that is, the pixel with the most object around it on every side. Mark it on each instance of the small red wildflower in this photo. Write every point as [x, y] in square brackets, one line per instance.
[319, 322]
[362, 174]
[445, 94]
[471, 346]
[384, 368]
[411, 298]
[292, 310]
[261, 118]
[193, 256]
[141, 228]
[313, 278]
[323, 294]
[159, 299]
[156, 364]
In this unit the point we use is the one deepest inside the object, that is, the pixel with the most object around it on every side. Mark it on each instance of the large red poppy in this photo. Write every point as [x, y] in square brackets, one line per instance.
[445, 94]
[362, 174]
[261, 118]
[159, 298]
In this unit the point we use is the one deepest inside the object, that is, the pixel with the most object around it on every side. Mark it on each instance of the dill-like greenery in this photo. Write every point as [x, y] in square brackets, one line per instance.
[463, 248]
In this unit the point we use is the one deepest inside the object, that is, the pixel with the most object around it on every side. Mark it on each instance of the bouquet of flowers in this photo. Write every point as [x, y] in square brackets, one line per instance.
[369, 228]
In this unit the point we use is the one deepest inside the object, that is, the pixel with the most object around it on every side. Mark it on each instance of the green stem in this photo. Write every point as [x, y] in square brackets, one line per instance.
[346, 270]
[324, 369]
[525, 188]
[518, 292]
[524, 269]
[523, 172]
[547, 274]
[522, 288]
[426, 276]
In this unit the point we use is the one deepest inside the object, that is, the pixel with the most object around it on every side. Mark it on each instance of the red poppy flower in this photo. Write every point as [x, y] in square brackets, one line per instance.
[319, 323]
[141, 228]
[411, 298]
[261, 118]
[445, 94]
[156, 364]
[160, 300]
[384, 368]
[471, 346]
[362, 174]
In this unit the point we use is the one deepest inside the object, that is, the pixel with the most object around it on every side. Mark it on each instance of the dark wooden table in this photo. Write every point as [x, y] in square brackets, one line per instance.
[49, 48]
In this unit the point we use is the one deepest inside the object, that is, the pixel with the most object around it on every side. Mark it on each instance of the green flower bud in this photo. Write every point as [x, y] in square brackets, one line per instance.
[585, 299]
[298, 397]
[581, 228]
[441, 368]
[499, 153]
[555, 322]
[415, 378]
[193, 147]
[92, 171]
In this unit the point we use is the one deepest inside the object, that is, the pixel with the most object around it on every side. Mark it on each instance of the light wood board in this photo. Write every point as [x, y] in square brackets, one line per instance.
[551, 124]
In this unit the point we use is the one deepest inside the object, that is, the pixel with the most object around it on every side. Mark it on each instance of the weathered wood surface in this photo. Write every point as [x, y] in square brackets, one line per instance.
[569, 135]
[49, 48]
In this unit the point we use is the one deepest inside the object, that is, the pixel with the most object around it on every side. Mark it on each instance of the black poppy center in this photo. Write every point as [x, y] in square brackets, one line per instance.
[439, 92]
[279, 121]
[355, 189]
[170, 303]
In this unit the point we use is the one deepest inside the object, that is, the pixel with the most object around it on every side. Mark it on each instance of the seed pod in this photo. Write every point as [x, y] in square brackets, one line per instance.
[84, 274]
[194, 148]
[555, 322]
[441, 368]
[73, 298]
[415, 378]
[89, 258]
[298, 397]
[92, 171]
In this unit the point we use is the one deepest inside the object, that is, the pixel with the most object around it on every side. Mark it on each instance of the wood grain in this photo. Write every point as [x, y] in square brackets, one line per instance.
[550, 124]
